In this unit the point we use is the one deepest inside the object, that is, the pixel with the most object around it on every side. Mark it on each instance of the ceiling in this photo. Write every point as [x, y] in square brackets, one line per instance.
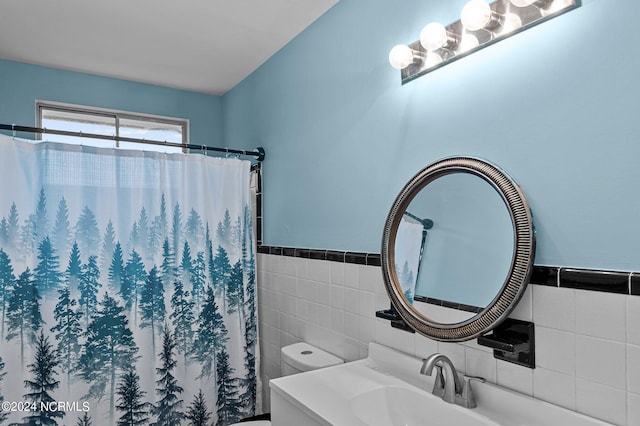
[201, 45]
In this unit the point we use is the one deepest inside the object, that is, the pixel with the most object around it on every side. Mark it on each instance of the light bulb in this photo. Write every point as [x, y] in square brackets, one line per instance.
[512, 22]
[400, 56]
[523, 3]
[475, 15]
[432, 60]
[433, 36]
[468, 42]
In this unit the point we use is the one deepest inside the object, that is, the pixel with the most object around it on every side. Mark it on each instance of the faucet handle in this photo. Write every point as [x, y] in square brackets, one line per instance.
[438, 384]
[468, 397]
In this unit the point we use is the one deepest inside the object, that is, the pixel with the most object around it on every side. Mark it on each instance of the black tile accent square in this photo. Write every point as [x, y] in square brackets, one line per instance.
[544, 275]
[318, 254]
[259, 230]
[335, 256]
[266, 416]
[304, 253]
[259, 204]
[635, 284]
[357, 258]
[264, 249]
[584, 279]
[288, 251]
[373, 259]
[276, 250]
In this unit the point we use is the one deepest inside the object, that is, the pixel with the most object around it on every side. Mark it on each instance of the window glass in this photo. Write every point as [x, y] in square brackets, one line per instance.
[78, 122]
[111, 123]
[151, 130]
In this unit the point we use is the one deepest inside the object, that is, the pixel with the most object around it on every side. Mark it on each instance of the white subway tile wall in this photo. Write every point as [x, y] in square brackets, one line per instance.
[587, 343]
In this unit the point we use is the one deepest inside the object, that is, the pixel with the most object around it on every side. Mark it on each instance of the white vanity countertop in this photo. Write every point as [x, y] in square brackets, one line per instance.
[325, 394]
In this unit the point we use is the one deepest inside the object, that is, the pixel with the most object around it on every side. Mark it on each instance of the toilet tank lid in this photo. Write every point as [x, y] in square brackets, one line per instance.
[305, 357]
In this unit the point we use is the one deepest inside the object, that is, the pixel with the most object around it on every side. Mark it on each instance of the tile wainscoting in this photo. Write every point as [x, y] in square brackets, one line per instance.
[587, 342]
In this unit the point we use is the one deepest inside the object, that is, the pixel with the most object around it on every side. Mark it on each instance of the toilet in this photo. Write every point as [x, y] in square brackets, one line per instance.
[298, 358]
[301, 357]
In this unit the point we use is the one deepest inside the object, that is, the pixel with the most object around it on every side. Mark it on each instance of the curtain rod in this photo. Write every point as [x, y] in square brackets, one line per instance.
[259, 152]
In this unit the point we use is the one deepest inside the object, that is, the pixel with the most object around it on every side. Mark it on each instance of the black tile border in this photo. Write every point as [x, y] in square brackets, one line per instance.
[289, 251]
[634, 284]
[336, 256]
[605, 281]
[545, 275]
[257, 169]
[318, 254]
[304, 253]
[374, 259]
[358, 258]
[618, 282]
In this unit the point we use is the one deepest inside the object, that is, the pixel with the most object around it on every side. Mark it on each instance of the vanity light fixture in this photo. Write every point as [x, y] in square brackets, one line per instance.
[481, 24]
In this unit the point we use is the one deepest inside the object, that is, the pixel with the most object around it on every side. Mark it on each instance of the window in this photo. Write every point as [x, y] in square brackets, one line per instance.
[77, 118]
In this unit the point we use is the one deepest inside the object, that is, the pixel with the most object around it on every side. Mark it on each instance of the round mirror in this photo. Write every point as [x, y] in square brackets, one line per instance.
[457, 250]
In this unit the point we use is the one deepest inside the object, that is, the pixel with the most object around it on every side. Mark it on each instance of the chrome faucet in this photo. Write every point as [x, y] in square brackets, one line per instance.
[447, 384]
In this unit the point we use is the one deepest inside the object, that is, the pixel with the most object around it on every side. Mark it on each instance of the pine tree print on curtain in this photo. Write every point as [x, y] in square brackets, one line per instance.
[40, 387]
[127, 282]
[4, 414]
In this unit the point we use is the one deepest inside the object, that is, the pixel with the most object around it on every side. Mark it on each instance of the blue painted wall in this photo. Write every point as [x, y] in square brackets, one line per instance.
[22, 84]
[555, 106]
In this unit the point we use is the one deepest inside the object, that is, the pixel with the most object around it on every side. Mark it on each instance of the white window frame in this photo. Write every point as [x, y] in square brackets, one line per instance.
[117, 115]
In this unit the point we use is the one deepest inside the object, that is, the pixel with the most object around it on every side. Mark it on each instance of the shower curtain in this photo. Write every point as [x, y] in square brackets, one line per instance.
[127, 287]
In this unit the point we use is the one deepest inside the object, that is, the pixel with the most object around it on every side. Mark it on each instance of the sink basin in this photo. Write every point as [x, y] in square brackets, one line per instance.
[407, 406]
[386, 389]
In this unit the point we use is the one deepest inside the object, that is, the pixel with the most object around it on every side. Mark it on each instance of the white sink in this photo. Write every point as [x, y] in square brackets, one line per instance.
[387, 389]
[410, 406]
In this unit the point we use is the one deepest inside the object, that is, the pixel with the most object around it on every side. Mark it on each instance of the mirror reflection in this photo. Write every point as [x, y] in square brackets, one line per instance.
[454, 246]
[457, 249]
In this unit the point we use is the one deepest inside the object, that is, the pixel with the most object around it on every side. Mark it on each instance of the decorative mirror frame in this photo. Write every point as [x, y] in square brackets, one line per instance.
[521, 265]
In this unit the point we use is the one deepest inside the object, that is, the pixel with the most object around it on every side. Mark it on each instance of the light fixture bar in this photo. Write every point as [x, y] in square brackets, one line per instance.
[507, 17]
